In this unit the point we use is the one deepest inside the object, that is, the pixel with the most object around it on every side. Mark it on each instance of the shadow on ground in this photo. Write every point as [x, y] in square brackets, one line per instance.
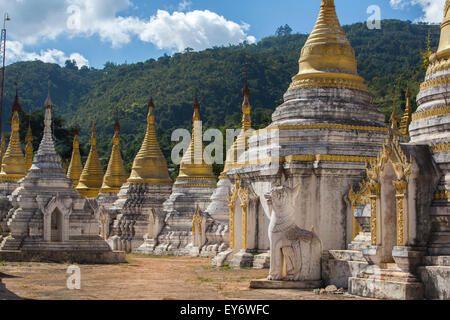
[5, 294]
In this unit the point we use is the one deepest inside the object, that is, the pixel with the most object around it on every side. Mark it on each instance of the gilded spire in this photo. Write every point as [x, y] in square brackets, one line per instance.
[193, 166]
[407, 117]
[149, 165]
[115, 175]
[29, 146]
[13, 164]
[91, 179]
[241, 143]
[394, 117]
[327, 59]
[444, 45]
[75, 166]
[2, 149]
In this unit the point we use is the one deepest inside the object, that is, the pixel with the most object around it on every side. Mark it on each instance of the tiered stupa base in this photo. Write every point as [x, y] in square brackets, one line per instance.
[388, 282]
[6, 189]
[135, 204]
[176, 236]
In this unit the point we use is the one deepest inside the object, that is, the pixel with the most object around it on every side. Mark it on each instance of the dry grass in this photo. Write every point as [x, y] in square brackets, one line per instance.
[143, 277]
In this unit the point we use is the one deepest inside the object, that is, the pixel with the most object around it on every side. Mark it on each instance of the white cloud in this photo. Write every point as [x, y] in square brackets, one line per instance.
[432, 9]
[34, 21]
[185, 5]
[15, 52]
[195, 29]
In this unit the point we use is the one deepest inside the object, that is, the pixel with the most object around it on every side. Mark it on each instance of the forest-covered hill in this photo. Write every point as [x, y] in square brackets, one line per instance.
[389, 59]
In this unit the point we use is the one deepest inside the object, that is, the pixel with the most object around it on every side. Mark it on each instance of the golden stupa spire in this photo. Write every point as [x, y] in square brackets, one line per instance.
[115, 175]
[407, 117]
[13, 164]
[444, 45]
[328, 59]
[29, 146]
[394, 117]
[2, 149]
[241, 143]
[75, 166]
[193, 165]
[149, 165]
[91, 179]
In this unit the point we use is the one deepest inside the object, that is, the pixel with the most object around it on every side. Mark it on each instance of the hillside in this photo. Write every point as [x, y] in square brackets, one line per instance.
[388, 59]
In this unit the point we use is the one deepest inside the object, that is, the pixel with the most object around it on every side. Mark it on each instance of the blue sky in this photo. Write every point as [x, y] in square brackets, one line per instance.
[95, 31]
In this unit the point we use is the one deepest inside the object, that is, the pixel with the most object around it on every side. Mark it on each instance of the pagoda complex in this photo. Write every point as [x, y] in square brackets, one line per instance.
[191, 193]
[138, 212]
[50, 220]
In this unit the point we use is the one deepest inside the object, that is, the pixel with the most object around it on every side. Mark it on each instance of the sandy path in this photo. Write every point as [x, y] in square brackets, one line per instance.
[149, 278]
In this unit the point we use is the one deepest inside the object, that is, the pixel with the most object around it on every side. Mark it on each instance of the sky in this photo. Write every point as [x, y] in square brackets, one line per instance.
[93, 32]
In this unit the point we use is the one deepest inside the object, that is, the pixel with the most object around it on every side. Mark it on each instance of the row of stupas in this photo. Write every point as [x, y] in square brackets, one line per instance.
[47, 219]
[375, 195]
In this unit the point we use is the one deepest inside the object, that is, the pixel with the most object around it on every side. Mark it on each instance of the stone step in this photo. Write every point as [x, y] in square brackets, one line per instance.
[443, 261]
[262, 261]
[347, 255]
[385, 289]
[388, 275]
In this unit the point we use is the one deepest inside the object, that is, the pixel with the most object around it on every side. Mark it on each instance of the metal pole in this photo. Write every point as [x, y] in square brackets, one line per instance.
[3, 44]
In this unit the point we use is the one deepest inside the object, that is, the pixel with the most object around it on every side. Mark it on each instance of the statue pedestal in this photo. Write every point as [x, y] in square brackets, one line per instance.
[242, 259]
[387, 283]
[301, 285]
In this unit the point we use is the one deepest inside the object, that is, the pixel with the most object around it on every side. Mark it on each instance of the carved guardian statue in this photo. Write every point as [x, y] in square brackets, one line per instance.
[295, 254]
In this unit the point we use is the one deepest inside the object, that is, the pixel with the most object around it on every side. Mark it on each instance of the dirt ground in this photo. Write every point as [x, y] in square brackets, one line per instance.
[143, 278]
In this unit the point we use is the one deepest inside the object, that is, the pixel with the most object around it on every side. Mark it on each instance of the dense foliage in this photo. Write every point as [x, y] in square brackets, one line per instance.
[389, 59]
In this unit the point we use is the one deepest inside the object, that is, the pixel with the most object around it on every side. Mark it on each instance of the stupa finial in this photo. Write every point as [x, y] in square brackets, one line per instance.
[149, 165]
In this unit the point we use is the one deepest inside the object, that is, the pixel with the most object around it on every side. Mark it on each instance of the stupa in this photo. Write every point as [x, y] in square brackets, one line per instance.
[191, 192]
[29, 148]
[115, 176]
[13, 167]
[75, 166]
[13, 162]
[431, 126]
[138, 211]
[50, 220]
[91, 178]
[217, 233]
[320, 138]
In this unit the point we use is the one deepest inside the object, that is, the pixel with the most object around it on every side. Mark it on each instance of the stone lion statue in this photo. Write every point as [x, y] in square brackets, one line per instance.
[295, 254]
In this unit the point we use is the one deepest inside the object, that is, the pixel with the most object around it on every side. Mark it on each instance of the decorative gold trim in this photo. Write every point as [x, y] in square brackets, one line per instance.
[195, 186]
[356, 199]
[305, 158]
[434, 112]
[375, 189]
[328, 80]
[435, 82]
[401, 188]
[438, 65]
[11, 177]
[196, 226]
[330, 158]
[323, 126]
[442, 195]
[243, 194]
[441, 147]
